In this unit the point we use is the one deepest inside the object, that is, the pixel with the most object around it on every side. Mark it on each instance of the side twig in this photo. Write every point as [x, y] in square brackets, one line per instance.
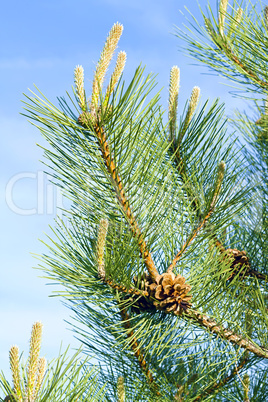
[189, 241]
[122, 199]
[124, 289]
[222, 45]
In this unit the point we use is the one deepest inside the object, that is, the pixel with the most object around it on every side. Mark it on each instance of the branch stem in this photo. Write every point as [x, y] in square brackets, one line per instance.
[122, 199]
[189, 241]
[124, 289]
[225, 333]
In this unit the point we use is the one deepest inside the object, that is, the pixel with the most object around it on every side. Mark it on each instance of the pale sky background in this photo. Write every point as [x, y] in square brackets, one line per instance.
[41, 43]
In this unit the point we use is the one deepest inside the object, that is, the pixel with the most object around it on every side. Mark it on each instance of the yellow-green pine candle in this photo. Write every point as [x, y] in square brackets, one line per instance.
[102, 233]
[103, 64]
[119, 67]
[236, 21]
[35, 345]
[15, 370]
[174, 85]
[79, 86]
[191, 109]
[238, 16]
[120, 389]
[40, 376]
[193, 102]
[222, 14]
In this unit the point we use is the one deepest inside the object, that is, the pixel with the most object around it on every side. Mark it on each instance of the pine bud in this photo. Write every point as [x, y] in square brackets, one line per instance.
[102, 233]
[209, 28]
[15, 370]
[236, 21]
[221, 171]
[190, 111]
[246, 382]
[193, 101]
[222, 14]
[35, 345]
[79, 86]
[120, 389]
[174, 85]
[104, 61]
[119, 67]
[238, 16]
[40, 376]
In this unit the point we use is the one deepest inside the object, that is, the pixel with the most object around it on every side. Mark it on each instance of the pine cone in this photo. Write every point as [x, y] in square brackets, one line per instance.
[141, 303]
[168, 293]
[238, 259]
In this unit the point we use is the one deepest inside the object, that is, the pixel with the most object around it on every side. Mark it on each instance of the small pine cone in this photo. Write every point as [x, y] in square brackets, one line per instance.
[238, 259]
[140, 303]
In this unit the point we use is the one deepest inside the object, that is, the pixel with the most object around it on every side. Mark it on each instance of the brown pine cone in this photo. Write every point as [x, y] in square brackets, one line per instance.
[238, 260]
[171, 293]
[168, 293]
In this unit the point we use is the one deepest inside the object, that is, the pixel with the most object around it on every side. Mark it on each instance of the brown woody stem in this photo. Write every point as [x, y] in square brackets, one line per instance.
[201, 320]
[258, 275]
[123, 288]
[121, 196]
[225, 333]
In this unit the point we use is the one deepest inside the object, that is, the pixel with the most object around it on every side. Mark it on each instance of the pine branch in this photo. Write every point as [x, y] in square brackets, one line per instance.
[122, 199]
[124, 289]
[223, 45]
[248, 272]
[230, 54]
[214, 387]
[215, 197]
[134, 344]
[189, 241]
[258, 275]
[225, 333]
[212, 326]
[120, 192]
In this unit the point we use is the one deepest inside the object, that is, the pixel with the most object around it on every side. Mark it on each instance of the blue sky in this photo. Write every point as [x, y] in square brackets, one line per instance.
[41, 43]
